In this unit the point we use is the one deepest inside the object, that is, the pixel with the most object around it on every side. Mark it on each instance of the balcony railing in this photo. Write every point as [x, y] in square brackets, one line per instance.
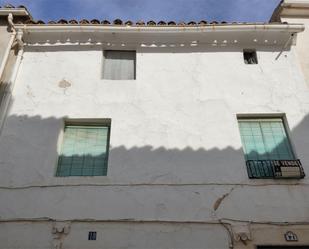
[277, 169]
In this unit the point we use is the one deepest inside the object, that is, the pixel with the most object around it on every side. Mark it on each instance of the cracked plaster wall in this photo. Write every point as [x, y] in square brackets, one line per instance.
[173, 127]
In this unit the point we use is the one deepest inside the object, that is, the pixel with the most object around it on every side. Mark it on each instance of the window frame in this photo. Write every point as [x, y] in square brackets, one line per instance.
[101, 122]
[268, 117]
[118, 50]
[271, 168]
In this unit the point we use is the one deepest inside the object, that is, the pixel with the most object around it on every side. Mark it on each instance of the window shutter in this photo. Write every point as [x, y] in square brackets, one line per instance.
[119, 65]
[84, 151]
[265, 140]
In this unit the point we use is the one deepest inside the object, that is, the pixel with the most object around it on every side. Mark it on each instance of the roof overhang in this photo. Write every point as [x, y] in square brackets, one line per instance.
[60, 28]
[231, 34]
[295, 3]
[14, 12]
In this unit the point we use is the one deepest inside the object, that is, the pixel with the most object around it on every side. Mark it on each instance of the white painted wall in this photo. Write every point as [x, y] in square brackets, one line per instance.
[302, 44]
[295, 11]
[175, 145]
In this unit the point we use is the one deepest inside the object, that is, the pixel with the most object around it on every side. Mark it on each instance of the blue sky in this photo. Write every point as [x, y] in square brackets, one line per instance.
[177, 10]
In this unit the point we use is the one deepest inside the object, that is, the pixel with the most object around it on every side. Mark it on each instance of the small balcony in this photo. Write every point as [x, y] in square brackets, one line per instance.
[275, 169]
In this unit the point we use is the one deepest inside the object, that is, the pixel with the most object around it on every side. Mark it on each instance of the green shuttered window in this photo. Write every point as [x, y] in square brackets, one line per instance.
[84, 151]
[264, 143]
[265, 139]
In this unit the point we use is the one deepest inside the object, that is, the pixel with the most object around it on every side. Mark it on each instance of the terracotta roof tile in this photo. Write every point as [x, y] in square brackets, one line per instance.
[129, 23]
[30, 21]
[202, 22]
[21, 7]
[95, 21]
[73, 21]
[117, 22]
[84, 21]
[63, 21]
[192, 23]
[140, 23]
[161, 23]
[151, 23]
[105, 22]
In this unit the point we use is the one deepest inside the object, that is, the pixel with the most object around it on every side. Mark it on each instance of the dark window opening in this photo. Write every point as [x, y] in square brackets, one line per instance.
[92, 236]
[250, 57]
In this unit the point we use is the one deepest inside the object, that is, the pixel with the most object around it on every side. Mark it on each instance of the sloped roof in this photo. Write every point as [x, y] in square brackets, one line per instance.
[117, 22]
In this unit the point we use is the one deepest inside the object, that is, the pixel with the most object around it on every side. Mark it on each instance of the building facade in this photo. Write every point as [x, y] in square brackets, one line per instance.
[295, 11]
[123, 135]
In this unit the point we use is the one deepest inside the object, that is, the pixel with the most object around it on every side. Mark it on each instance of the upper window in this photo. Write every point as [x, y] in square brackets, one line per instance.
[267, 149]
[119, 65]
[84, 150]
[250, 57]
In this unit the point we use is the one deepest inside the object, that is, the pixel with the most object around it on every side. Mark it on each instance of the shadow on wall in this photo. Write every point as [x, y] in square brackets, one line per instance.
[29, 147]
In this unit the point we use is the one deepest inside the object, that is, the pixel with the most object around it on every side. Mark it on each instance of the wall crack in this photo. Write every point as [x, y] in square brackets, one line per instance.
[219, 201]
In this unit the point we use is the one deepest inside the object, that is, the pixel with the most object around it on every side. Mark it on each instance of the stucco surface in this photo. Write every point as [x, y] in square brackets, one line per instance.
[302, 44]
[26, 235]
[175, 123]
[175, 144]
[173, 203]
[117, 235]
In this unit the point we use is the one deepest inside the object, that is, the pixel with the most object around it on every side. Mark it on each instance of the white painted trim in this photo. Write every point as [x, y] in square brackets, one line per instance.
[14, 11]
[58, 28]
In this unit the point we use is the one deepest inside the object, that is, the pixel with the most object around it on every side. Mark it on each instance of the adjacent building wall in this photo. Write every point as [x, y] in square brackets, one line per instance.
[302, 47]
[295, 11]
